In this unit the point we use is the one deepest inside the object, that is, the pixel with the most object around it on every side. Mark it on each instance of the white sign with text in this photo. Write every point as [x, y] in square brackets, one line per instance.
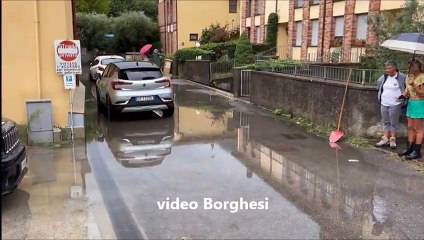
[68, 56]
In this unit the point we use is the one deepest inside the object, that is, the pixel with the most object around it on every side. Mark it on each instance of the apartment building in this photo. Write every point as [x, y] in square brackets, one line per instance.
[181, 22]
[29, 30]
[316, 29]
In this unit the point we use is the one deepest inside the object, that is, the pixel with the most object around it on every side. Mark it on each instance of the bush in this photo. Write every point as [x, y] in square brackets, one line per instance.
[260, 47]
[243, 54]
[132, 30]
[272, 29]
[221, 50]
[216, 33]
[185, 54]
[93, 29]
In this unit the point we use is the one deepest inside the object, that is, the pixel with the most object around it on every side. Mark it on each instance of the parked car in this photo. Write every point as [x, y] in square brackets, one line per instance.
[13, 157]
[134, 87]
[99, 64]
[141, 143]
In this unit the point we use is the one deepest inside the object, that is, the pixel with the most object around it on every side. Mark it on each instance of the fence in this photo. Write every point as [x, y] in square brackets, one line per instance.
[221, 69]
[359, 76]
[245, 82]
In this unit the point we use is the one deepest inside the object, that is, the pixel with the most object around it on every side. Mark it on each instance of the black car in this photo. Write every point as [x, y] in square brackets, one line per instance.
[13, 157]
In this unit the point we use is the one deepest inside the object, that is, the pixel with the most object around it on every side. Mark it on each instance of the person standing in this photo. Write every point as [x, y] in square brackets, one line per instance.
[390, 86]
[415, 110]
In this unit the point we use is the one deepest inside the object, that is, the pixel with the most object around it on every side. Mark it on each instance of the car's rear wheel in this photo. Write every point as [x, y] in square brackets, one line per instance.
[111, 113]
[168, 112]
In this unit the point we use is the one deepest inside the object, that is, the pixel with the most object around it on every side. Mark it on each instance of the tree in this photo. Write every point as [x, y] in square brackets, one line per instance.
[93, 6]
[149, 7]
[133, 30]
[94, 26]
[216, 33]
[272, 29]
[387, 24]
[243, 54]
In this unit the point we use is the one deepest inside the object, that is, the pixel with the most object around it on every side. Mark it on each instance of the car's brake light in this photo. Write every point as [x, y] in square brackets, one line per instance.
[101, 68]
[115, 84]
[166, 81]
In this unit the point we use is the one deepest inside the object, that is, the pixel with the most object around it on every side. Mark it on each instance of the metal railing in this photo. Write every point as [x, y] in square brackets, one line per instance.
[221, 69]
[359, 76]
[338, 56]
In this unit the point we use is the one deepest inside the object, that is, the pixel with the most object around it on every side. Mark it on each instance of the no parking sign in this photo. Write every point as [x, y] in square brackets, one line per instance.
[68, 56]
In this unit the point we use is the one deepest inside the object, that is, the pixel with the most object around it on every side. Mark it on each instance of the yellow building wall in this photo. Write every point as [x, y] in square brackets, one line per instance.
[19, 55]
[282, 41]
[283, 11]
[312, 53]
[391, 4]
[269, 8]
[298, 14]
[296, 53]
[314, 12]
[362, 6]
[248, 22]
[195, 15]
[258, 21]
[338, 8]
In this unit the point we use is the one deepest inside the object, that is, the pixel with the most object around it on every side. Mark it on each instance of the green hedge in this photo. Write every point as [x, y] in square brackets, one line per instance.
[260, 47]
[185, 54]
[221, 50]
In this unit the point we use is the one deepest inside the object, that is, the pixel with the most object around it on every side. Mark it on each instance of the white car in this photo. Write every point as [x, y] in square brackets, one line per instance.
[99, 64]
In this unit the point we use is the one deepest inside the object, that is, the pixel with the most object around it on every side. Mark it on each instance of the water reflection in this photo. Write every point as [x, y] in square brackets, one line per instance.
[140, 142]
[348, 199]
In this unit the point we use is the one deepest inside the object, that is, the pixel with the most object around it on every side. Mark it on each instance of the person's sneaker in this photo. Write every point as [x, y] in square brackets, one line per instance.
[384, 141]
[392, 143]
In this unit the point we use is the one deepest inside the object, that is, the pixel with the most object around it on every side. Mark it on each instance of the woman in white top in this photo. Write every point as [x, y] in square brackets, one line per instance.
[390, 87]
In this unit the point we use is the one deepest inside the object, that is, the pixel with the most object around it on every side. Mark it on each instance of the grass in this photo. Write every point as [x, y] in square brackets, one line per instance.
[358, 141]
[320, 130]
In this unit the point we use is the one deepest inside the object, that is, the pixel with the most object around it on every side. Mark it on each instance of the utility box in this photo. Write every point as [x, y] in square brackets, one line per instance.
[40, 121]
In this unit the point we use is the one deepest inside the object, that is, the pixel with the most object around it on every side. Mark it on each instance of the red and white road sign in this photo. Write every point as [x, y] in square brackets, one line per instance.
[68, 56]
[67, 50]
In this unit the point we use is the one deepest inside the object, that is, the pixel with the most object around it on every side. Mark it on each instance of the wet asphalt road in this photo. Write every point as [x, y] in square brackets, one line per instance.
[224, 150]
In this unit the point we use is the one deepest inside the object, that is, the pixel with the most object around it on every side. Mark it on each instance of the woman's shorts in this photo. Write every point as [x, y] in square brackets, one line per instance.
[415, 108]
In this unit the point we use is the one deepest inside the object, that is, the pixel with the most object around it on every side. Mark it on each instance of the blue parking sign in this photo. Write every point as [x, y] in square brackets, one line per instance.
[69, 81]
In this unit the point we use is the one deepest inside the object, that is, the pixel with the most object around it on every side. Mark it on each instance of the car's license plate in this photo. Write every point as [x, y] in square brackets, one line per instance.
[23, 164]
[144, 99]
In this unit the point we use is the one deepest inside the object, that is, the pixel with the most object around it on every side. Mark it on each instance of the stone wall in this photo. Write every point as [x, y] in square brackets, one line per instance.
[318, 101]
[198, 71]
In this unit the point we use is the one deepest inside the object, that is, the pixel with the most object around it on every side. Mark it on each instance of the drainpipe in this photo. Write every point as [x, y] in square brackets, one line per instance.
[37, 49]
[323, 31]
[165, 32]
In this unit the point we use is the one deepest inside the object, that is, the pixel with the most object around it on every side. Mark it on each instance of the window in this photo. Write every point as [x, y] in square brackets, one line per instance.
[339, 30]
[298, 3]
[95, 62]
[249, 8]
[140, 74]
[314, 32]
[258, 34]
[315, 2]
[258, 7]
[361, 29]
[111, 60]
[232, 6]
[194, 36]
[298, 33]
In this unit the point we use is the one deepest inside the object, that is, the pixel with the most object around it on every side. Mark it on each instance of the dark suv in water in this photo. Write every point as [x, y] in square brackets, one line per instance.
[13, 157]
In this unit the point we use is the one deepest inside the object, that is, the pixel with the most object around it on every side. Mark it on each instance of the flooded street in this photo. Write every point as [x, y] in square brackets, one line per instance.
[216, 150]
[218, 169]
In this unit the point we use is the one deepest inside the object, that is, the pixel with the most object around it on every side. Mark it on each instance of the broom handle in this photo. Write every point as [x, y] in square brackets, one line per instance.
[343, 102]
